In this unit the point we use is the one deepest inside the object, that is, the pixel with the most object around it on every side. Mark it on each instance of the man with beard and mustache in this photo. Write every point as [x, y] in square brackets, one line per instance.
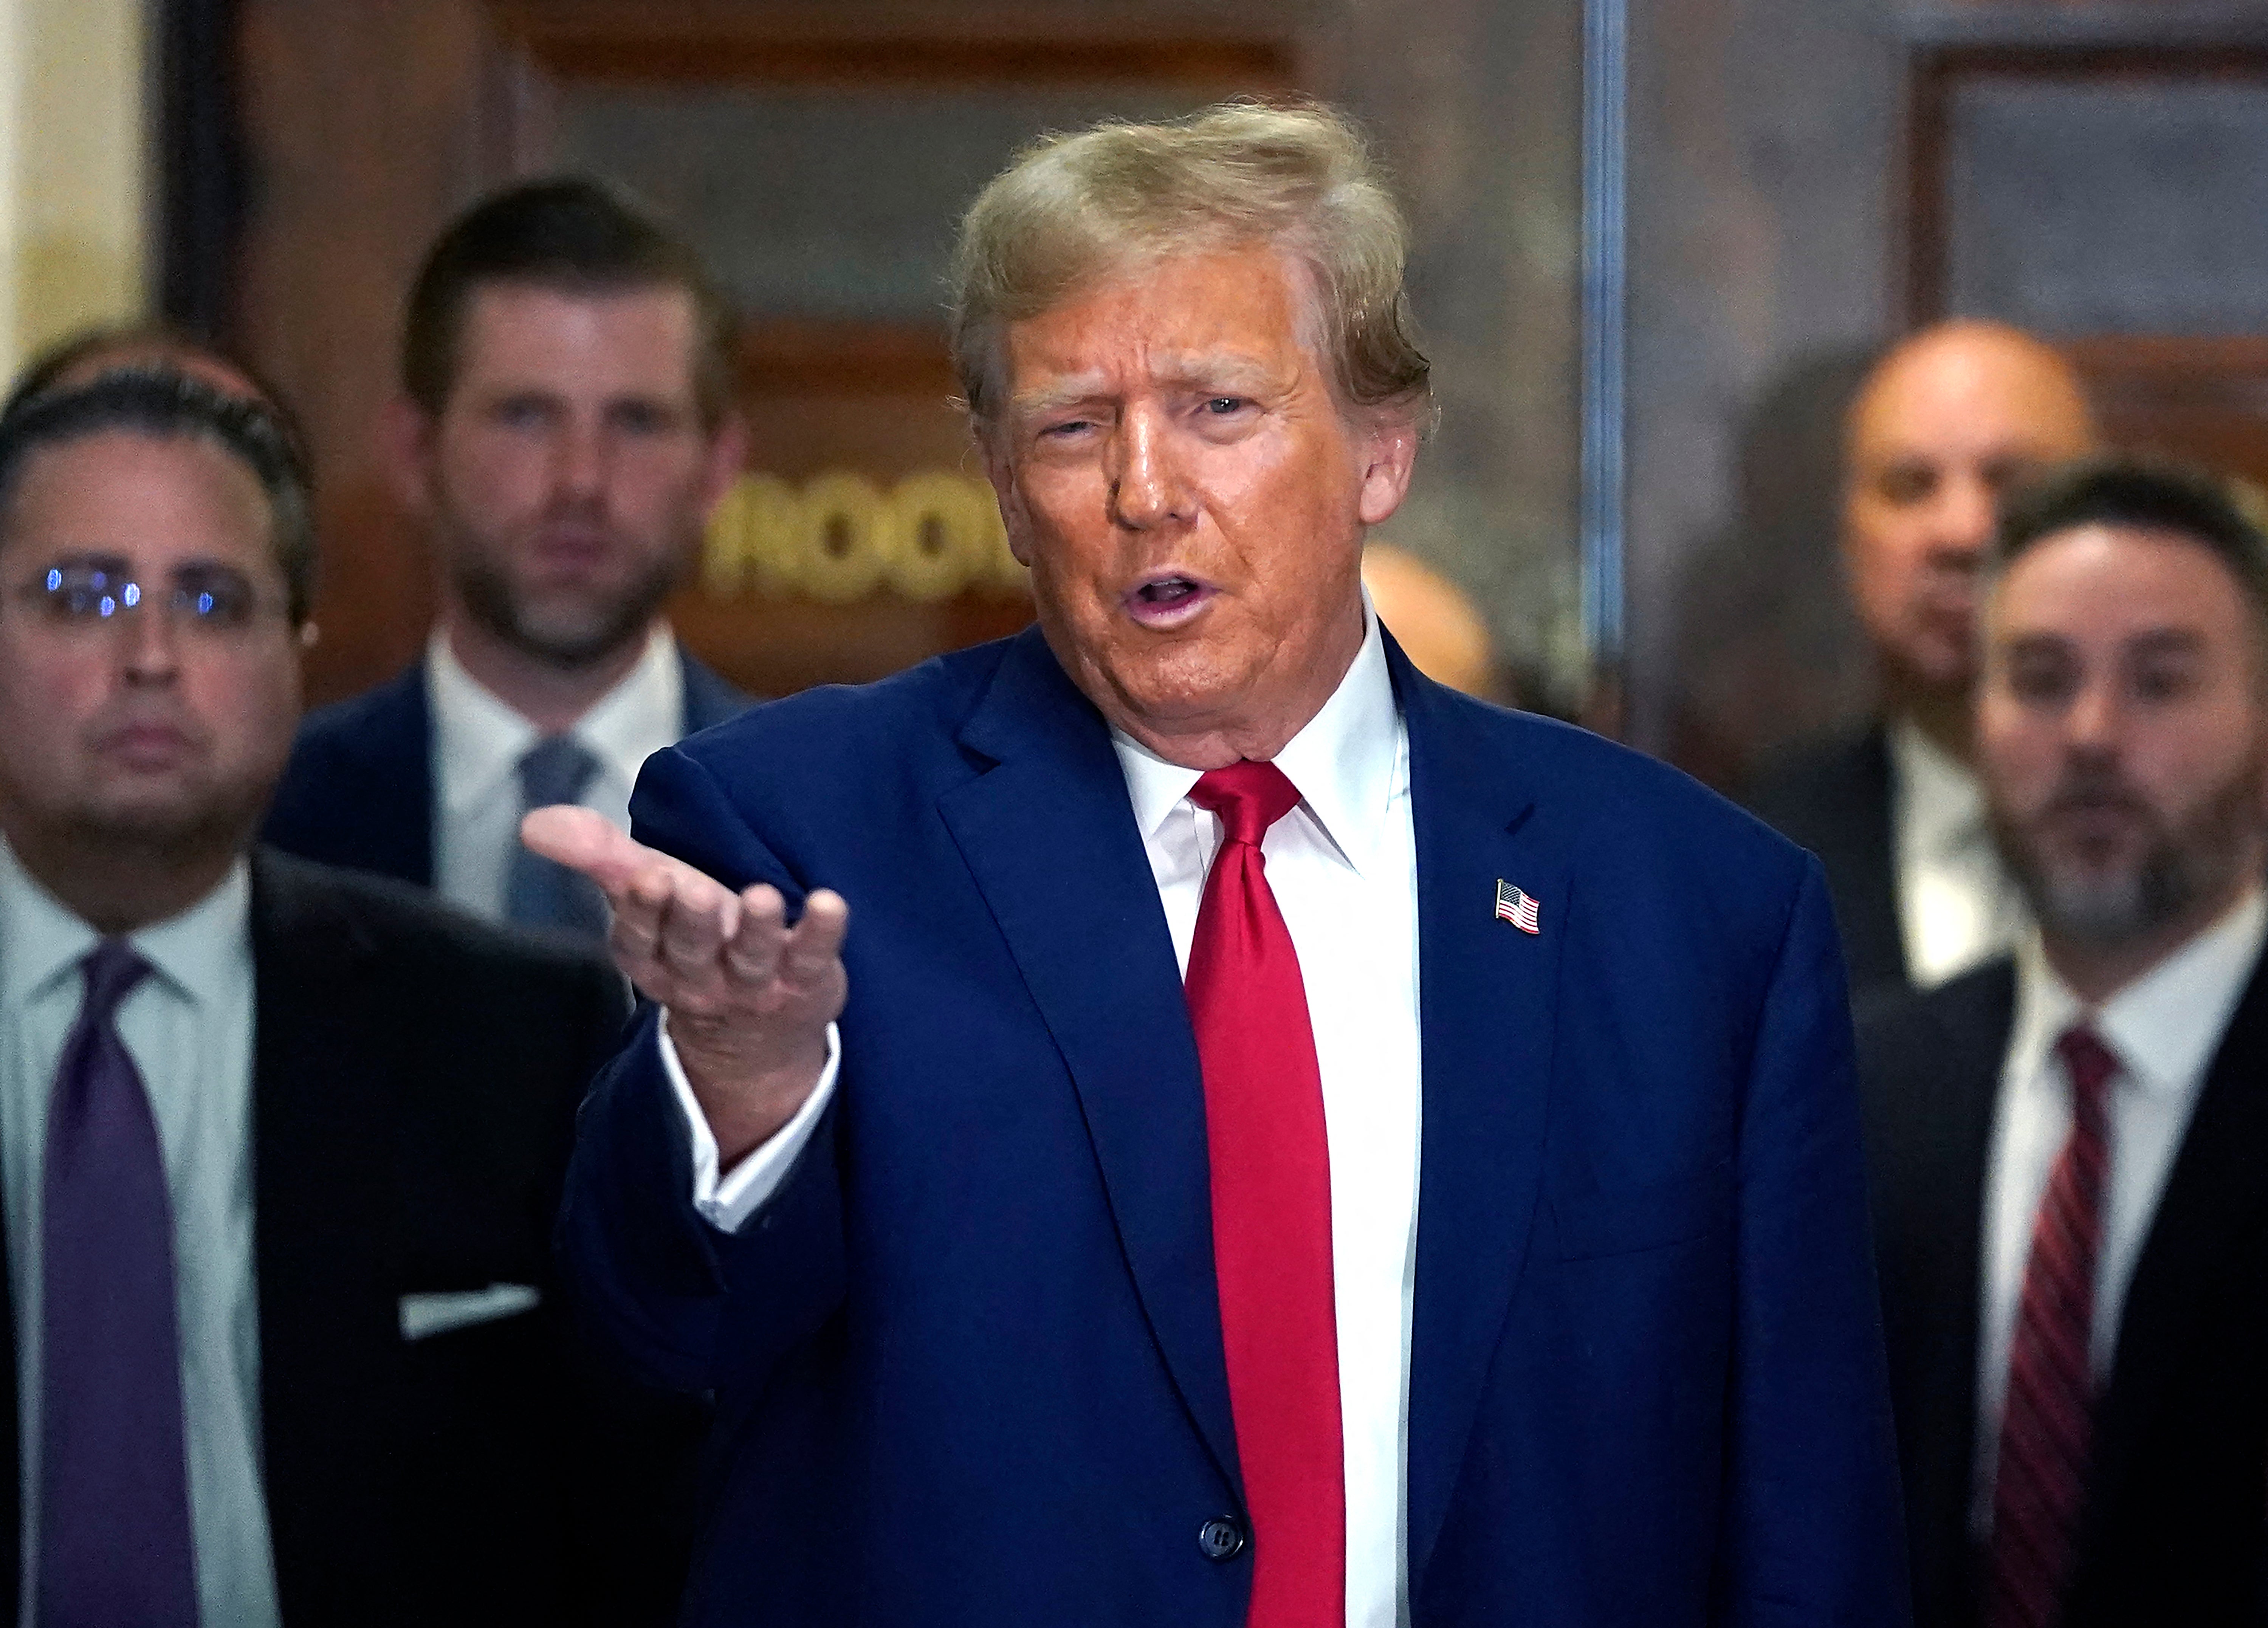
[2069, 1147]
[565, 427]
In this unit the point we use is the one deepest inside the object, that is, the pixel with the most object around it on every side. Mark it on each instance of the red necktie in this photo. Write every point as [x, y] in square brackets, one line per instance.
[2046, 1431]
[1271, 1211]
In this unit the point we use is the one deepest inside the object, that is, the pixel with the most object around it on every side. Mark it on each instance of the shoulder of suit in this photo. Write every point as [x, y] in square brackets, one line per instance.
[1828, 770]
[1626, 798]
[1898, 1027]
[362, 720]
[832, 719]
[419, 935]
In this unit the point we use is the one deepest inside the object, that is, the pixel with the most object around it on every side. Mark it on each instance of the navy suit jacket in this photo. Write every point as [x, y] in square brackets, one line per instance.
[359, 791]
[967, 1360]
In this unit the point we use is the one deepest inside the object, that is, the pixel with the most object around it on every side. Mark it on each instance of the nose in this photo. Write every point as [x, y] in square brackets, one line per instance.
[1962, 524]
[1147, 487]
[2091, 725]
[149, 642]
[580, 469]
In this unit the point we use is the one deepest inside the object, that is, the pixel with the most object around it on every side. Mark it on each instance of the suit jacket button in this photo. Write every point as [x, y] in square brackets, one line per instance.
[1221, 1538]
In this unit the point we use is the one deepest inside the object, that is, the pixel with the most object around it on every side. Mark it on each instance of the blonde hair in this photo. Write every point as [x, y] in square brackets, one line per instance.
[1072, 211]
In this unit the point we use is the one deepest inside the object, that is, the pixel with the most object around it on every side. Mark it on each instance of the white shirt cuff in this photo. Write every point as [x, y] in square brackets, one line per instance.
[727, 1200]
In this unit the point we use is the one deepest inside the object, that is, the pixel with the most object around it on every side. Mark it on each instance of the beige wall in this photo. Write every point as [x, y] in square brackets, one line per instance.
[74, 206]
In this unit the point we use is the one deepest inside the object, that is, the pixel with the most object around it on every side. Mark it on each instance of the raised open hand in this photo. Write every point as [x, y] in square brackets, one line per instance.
[749, 998]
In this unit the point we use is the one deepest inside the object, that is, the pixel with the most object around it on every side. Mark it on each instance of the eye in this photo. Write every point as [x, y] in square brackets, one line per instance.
[522, 412]
[216, 599]
[1902, 485]
[1064, 429]
[2041, 682]
[644, 417]
[1222, 406]
[2162, 681]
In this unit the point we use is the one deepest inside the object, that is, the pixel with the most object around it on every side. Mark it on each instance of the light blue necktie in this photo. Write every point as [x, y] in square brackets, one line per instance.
[541, 893]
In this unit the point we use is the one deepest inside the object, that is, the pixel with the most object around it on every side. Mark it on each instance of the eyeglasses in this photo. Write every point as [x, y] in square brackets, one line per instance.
[215, 599]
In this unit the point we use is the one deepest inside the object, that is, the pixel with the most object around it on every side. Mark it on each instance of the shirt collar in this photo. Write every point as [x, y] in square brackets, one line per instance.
[1347, 761]
[479, 739]
[42, 940]
[2164, 1026]
[1941, 805]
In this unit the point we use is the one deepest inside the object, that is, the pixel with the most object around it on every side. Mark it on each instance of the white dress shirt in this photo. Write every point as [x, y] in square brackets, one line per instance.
[188, 1027]
[1958, 907]
[1344, 868]
[478, 741]
[2164, 1030]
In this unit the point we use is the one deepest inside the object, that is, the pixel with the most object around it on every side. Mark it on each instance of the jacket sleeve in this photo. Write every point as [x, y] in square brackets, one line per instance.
[688, 1306]
[1811, 1528]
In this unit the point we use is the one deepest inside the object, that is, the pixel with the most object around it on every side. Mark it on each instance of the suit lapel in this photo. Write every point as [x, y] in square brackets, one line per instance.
[708, 699]
[1931, 1142]
[1049, 836]
[1486, 1001]
[322, 1158]
[2219, 1184]
[1874, 942]
[395, 790]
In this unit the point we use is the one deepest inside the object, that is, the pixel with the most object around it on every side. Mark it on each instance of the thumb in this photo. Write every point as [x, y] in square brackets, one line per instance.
[585, 840]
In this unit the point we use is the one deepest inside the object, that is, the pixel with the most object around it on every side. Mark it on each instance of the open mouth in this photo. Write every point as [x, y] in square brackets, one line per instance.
[1163, 600]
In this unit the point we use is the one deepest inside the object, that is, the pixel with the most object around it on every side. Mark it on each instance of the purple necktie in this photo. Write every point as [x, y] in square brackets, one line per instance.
[114, 1522]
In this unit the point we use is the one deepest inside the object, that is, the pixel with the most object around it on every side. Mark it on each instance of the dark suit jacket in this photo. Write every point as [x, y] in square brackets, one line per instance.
[359, 791]
[416, 1077]
[967, 1361]
[1833, 797]
[2174, 1525]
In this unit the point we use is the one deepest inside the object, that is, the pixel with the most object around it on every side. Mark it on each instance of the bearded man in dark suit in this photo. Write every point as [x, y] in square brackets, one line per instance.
[2069, 1146]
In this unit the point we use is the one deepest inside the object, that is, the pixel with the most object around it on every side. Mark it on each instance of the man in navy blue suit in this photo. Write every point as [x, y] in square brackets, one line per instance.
[565, 425]
[1284, 1144]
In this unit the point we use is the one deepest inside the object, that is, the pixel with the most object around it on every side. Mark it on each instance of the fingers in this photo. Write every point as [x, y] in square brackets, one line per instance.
[815, 949]
[586, 841]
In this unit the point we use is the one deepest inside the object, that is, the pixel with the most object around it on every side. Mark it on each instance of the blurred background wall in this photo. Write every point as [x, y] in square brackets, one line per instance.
[75, 180]
[1806, 178]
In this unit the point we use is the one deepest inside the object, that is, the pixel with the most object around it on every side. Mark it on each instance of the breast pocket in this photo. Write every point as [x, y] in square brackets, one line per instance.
[1651, 1215]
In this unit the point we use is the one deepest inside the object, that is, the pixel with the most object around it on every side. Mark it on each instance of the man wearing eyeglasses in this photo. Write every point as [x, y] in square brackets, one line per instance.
[279, 1146]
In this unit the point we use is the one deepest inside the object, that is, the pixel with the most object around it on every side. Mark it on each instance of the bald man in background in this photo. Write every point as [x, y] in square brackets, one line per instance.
[1946, 422]
[1435, 621]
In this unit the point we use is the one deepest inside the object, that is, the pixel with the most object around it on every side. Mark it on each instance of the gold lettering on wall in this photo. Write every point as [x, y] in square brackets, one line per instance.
[840, 537]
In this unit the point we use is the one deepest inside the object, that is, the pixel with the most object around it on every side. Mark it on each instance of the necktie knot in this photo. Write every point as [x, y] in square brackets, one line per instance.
[112, 969]
[2091, 1066]
[555, 769]
[1249, 797]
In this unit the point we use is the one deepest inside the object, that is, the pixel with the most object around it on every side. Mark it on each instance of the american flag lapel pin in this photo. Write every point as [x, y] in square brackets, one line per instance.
[1518, 908]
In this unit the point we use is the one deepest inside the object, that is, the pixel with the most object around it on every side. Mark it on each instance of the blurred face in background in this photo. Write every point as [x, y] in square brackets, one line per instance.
[1176, 470]
[154, 726]
[1943, 426]
[2122, 734]
[570, 473]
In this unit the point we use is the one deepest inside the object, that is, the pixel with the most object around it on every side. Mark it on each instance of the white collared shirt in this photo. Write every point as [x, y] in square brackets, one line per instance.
[2164, 1029]
[1957, 908]
[1344, 868]
[478, 741]
[188, 1027]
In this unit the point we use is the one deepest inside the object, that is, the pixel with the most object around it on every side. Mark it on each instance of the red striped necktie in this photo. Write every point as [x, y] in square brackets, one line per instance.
[2046, 1432]
[1271, 1211]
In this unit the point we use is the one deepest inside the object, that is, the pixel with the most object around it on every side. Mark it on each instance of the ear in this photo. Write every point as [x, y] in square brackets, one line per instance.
[406, 435]
[1017, 519]
[1388, 450]
[727, 458]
